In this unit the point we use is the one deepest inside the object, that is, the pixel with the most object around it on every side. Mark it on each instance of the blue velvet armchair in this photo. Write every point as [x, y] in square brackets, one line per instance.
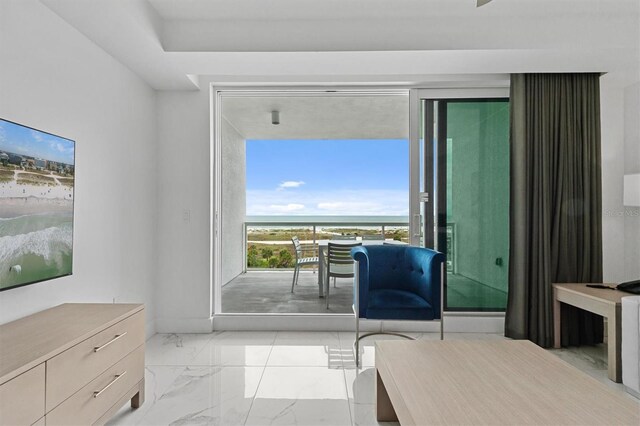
[397, 282]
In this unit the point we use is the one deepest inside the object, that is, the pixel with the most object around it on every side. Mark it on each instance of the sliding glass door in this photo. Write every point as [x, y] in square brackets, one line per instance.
[464, 197]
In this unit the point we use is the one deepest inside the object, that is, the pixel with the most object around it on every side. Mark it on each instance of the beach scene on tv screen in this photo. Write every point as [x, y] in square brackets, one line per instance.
[36, 205]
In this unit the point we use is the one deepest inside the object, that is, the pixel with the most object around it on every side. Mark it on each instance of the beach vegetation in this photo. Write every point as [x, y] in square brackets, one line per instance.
[40, 172]
[34, 179]
[285, 259]
[267, 252]
[6, 175]
[66, 181]
[253, 258]
[269, 248]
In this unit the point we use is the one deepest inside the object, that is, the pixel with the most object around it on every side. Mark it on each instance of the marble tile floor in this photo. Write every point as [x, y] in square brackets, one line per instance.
[278, 378]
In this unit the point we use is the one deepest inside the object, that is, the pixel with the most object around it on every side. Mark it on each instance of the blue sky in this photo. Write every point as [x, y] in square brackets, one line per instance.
[21, 140]
[332, 177]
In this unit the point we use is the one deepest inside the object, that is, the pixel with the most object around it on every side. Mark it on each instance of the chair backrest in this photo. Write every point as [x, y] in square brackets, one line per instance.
[343, 237]
[297, 247]
[339, 260]
[401, 267]
[378, 237]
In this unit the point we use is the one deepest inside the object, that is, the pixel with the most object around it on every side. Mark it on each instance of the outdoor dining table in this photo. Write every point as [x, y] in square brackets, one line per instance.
[323, 246]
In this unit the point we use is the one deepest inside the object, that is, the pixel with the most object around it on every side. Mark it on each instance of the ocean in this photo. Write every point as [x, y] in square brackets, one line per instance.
[41, 244]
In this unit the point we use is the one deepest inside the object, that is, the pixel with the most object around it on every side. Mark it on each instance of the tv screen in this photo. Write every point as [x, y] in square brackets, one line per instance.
[37, 176]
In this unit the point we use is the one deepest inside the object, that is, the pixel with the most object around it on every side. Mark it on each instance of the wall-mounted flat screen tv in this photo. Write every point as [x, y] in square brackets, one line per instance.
[37, 177]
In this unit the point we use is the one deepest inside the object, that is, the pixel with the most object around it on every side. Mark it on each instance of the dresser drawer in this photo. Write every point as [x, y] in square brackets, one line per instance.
[22, 398]
[89, 403]
[77, 366]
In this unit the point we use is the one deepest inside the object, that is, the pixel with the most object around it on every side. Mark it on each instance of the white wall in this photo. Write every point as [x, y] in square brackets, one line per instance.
[53, 78]
[632, 166]
[184, 257]
[234, 204]
[184, 292]
[612, 119]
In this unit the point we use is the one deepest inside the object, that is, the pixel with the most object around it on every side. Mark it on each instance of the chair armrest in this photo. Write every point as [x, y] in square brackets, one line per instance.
[431, 262]
[361, 255]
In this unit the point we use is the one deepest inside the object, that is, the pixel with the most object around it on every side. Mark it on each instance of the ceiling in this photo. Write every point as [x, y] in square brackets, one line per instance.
[182, 44]
[319, 117]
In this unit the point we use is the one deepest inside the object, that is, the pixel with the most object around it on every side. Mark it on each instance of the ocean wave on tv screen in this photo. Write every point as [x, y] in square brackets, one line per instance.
[46, 243]
[39, 255]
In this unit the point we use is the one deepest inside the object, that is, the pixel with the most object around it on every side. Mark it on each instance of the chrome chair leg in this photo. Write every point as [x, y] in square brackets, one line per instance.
[359, 337]
[326, 289]
[295, 272]
[357, 341]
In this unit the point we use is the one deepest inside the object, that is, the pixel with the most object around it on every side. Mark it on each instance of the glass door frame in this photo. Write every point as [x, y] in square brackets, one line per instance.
[424, 191]
[415, 96]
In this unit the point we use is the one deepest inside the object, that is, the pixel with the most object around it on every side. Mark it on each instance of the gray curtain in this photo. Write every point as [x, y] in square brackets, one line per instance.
[556, 204]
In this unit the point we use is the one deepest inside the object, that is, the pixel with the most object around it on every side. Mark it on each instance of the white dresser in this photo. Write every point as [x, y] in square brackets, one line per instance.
[72, 364]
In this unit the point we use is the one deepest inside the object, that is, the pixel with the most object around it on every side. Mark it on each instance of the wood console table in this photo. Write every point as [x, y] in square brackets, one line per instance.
[600, 301]
[72, 364]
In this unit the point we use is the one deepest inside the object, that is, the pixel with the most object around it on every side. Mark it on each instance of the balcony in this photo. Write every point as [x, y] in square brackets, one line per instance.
[264, 286]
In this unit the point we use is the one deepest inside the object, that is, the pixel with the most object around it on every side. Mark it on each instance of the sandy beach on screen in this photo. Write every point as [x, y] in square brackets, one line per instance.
[20, 200]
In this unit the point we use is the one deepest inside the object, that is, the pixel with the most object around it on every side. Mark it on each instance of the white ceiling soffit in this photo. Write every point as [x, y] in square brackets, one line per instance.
[319, 117]
[384, 25]
[173, 44]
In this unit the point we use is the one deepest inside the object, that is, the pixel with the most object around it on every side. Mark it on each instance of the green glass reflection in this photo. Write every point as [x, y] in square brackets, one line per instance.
[477, 204]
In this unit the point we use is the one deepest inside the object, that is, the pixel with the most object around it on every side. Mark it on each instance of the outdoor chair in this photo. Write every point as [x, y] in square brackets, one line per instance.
[341, 238]
[396, 282]
[302, 250]
[339, 264]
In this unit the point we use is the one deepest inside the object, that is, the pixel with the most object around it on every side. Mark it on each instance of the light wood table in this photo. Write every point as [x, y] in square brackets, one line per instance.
[462, 382]
[599, 301]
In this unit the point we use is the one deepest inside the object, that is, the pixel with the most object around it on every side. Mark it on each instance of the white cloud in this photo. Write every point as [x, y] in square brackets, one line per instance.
[290, 184]
[359, 207]
[330, 206]
[37, 136]
[286, 208]
[61, 148]
[368, 202]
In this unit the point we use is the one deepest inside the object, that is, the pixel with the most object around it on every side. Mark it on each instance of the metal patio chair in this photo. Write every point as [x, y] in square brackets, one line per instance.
[301, 251]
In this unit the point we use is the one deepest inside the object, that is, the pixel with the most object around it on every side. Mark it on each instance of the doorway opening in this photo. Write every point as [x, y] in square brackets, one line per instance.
[312, 166]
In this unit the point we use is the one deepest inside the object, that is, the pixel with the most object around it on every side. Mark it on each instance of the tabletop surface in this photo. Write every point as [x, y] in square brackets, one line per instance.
[608, 295]
[494, 382]
[324, 243]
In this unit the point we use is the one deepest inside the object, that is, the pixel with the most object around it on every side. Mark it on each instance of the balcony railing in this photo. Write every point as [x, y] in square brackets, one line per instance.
[268, 234]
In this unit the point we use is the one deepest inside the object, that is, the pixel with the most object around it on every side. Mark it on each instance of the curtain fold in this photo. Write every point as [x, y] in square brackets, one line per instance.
[556, 203]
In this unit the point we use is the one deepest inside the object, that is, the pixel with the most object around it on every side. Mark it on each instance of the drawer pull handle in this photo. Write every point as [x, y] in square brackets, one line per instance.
[115, 379]
[97, 348]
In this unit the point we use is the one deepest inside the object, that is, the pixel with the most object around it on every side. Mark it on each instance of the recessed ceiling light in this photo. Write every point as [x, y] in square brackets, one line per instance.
[275, 117]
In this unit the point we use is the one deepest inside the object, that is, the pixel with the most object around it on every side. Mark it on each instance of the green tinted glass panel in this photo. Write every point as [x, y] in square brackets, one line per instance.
[477, 186]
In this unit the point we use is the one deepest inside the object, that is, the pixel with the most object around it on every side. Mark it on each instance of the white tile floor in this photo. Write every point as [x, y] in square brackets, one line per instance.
[283, 378]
